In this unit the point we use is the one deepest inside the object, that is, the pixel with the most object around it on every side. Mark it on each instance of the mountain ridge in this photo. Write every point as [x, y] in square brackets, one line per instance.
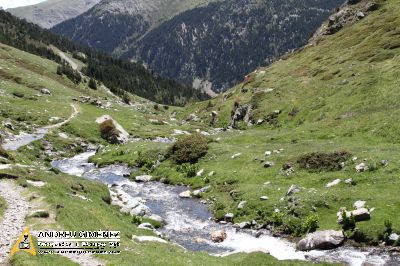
[199, 44]
[52, 12]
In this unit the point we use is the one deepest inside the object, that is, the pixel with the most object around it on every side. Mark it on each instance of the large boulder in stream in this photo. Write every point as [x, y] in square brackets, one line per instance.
[112, 131]
[321, 240]
[219, 236]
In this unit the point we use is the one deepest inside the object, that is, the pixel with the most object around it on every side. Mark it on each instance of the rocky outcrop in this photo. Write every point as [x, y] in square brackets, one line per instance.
[241, 113]
[351, 12]
[321, 240]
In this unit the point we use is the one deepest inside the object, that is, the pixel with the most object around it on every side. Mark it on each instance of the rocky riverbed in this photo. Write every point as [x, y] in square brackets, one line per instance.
[189, 224]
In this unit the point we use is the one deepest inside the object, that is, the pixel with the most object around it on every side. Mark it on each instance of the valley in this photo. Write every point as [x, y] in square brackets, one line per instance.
[295, 165]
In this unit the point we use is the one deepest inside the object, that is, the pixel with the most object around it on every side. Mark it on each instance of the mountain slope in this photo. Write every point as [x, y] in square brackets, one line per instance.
[52, 12]
[214, 43]
[224, 41]
[119, 75]
[110, 23]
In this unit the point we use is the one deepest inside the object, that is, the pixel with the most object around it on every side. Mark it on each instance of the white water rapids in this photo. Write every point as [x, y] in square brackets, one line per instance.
[188, 220]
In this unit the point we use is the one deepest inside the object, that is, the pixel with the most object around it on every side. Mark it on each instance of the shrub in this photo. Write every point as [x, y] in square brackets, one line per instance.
[109, 132]
[4, 153]
[107, 199]
[277, 218]
[41, 214]
[310, 224]
[126, 99]
[92, 84]
[292, 226]
[319, 162]
[148, 158]
[387, 232]
[349, 223]
[137, 220]
[189, 149]
[68, 71]
[190, 170]
[18, 94]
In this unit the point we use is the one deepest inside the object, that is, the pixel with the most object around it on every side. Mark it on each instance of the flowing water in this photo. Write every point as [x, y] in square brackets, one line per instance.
[24, 139]
[189, 223]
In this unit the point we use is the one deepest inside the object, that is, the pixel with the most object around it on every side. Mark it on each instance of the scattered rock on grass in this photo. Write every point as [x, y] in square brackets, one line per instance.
[45, 91]
[359, 215]
[36, 183]
[394, 237]
[229, 217]
[269, 164]
[362, 167]
[293, 190]
[264, 198]
[236, 155]
[359, 204]
[146, 226]
[242, 204]
[148, 239]
[349, 181]
[384, 162]
[333, 183]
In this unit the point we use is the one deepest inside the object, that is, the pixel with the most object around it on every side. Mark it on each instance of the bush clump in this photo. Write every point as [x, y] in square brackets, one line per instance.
[18, 94]
[189, 149]
[92, 84]
[109, 132]
[41, 214]
[4, 153]
[148, 159]
[190, 170]
[319, 162]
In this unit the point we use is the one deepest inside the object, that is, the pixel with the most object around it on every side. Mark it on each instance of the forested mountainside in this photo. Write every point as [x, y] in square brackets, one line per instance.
[111, 23]
[226, 40]
[216, 43]
[52, 12]
[119, 75]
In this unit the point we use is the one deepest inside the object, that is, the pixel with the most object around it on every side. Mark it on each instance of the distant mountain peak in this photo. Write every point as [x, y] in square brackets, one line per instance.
[52, 12]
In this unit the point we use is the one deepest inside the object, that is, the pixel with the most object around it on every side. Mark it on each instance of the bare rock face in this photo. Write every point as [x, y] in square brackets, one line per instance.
[321, 240]
[218, 236]
[51, 12]
[351, 12]
[241, 113]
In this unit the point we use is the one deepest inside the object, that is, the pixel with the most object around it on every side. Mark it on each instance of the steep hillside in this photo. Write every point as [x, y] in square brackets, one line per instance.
[327, 120]
[52, 12]
[119, 75]
[112, 22]
[208, 46]
[223, 41]
[75, 203]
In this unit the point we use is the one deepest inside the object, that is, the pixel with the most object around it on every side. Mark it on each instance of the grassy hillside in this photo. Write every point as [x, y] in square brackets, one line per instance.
[118, 75]
[25, 73]
[340, 94]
